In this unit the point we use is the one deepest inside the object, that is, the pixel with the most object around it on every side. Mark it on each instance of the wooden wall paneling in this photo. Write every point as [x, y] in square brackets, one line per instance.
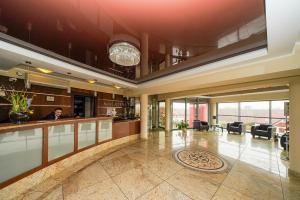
[120, 129]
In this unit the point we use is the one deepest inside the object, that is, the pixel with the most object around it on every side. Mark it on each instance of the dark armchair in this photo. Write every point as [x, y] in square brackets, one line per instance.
[235, 127]
[263, 130]
[200, 125]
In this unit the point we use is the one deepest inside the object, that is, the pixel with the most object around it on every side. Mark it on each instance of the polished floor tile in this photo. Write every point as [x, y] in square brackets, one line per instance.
[136, 182]
[147, 170]
[164, 192]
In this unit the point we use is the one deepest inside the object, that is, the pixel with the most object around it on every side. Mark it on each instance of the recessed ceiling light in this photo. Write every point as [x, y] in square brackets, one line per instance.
[46, 71]
[91, 81]
[117, 87]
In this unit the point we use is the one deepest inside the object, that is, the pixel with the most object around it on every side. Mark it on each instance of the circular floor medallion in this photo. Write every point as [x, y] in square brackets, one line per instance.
[200, 160]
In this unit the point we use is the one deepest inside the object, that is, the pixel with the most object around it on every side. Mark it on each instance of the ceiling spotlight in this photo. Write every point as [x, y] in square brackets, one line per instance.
[117, 87]
[46, 71]
[91, 81]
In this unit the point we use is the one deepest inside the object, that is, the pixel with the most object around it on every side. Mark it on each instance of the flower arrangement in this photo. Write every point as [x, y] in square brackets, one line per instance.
[20, 104]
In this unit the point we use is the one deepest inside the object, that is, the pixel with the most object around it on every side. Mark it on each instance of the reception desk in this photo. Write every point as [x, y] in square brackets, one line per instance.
[30, 147]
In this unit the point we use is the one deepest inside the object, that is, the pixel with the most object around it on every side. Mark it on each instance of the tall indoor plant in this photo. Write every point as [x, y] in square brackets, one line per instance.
[20, 104]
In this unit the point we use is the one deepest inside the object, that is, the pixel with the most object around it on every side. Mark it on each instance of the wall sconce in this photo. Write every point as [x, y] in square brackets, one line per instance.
[69, 90]
[27, 82]
[95, 93]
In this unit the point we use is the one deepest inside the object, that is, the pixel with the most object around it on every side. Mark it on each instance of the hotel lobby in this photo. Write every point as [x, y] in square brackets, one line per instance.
[194, 99]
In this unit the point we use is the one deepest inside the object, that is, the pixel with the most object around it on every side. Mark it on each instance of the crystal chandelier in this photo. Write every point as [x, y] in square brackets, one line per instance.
[124, 53]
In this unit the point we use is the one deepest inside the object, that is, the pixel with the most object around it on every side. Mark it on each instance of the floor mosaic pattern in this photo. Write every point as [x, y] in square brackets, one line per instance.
[201, 160]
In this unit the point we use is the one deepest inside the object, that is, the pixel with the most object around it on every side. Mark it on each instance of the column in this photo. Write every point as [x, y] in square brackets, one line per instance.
[144, 54]
[294, 112]
[144, 116]
[213, 112]
[168, 115]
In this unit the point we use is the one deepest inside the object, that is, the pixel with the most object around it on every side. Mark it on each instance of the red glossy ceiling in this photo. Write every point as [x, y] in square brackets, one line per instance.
[184, 22]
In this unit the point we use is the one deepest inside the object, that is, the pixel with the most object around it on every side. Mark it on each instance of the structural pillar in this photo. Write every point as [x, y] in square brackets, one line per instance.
[144, 116]
[213, 111]
[294, 116]
[144, 55]
[168, 115]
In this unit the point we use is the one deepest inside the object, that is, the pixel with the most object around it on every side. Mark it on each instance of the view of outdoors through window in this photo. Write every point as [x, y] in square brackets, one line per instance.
[250, 113]
[187, 111]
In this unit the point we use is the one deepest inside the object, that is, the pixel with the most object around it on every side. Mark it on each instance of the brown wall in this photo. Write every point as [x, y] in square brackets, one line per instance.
[105, 100]
[42, 107]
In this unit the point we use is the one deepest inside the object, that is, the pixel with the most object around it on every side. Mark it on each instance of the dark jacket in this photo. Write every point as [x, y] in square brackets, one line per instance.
[51, 116]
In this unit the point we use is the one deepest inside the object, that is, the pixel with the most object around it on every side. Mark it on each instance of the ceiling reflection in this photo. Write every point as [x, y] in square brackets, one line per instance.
[173, 34]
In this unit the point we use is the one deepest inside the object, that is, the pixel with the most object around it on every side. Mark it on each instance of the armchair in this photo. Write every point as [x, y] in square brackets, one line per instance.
[235, 127]
[200, 125]
[264, 130]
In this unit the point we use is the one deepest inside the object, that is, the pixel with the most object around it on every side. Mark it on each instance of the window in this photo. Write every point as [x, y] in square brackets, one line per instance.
[255, 112]
[178, 112]
[258, 109]
[228, 109]
[227, 112]
[186, 110]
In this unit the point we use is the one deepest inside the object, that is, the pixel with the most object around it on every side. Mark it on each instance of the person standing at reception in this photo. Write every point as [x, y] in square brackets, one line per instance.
[55, 115]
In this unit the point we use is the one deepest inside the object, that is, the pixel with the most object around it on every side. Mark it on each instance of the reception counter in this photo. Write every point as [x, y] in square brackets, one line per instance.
[30, 147]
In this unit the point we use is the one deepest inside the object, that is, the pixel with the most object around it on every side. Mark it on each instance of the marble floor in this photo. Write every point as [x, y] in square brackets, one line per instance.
[146, 170]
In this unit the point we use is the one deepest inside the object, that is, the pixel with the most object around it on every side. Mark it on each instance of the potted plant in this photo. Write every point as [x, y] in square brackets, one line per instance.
[182, 125]
[20, 105]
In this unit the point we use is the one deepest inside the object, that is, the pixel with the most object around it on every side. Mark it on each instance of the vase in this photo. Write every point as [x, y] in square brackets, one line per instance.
[184, 130]
[18, 118]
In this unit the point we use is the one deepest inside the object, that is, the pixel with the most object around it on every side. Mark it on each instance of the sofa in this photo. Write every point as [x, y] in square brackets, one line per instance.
[262, 130]
[235, 127]
[200, 125]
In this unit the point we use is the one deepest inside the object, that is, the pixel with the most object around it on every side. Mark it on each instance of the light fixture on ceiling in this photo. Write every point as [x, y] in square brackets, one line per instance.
[117, 87]
[46, 71]
[124, 50]
[91, 81]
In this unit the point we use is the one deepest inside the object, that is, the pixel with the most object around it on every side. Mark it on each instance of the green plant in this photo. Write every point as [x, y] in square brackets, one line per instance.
[182, 125]
[19, 100]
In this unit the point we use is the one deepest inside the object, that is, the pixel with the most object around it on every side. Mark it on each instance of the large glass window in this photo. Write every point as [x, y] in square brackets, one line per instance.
[188, 110]
[278, 117]
[178, 112]
[228, 108]
[258, 109]
[255, 112]
[227, 112]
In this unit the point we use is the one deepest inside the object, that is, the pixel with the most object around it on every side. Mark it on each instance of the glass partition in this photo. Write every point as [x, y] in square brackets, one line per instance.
[20, 151]
[105, 130]
[60, 140]
[86, 134]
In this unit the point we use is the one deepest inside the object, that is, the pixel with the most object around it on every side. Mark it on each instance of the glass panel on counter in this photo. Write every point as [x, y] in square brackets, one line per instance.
[105, 130]
[60, 140]
[86, 134]
[20, 151]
